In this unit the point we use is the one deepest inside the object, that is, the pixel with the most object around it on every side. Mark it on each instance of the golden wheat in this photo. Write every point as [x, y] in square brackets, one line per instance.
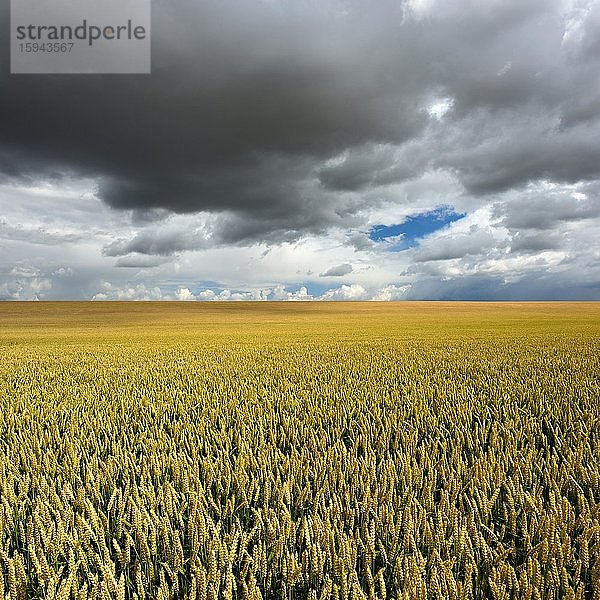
[328, 453]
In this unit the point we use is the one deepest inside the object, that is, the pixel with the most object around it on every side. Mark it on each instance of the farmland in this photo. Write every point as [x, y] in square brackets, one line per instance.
[299, 450]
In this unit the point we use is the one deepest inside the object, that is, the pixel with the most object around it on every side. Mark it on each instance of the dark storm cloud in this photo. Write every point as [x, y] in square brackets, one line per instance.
[244, 99]
[522, 154]
[373, 165]
[272, 113]
[168, 237]
[547, 211]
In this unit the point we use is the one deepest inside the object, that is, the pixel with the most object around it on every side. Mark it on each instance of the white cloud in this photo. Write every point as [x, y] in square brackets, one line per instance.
[420, 8]
[138, 292]
[346, 292]
[206, 296]
[184, 294]
[438, 108]
[391, 292]
[277, 293]
[280, 293]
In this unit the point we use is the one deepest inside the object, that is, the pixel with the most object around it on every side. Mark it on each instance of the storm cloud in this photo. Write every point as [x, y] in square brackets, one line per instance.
[246, 99]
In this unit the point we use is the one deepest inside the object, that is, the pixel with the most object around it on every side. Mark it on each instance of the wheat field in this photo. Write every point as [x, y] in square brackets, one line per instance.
[337, 451]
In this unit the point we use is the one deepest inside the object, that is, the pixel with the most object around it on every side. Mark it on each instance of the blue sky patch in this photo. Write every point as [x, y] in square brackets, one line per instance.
[415, 227]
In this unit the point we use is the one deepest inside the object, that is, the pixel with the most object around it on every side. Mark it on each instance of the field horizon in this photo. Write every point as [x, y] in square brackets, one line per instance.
[360, 319]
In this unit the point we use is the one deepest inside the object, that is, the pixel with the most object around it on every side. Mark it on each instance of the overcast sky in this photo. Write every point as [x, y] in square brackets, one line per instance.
[425, 149]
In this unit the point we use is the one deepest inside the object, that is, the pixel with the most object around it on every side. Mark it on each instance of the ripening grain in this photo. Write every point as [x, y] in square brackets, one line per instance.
[339, 451]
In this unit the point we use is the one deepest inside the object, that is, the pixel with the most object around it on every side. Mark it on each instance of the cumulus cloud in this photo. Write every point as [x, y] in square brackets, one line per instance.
[391, 292]
[183, 294]
[281, 293]
[137, 292]
[354, 291]
[278, 293]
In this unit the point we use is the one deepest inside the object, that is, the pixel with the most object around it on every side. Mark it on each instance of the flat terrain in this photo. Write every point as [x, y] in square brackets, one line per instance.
[300, 450]
[158, 322]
